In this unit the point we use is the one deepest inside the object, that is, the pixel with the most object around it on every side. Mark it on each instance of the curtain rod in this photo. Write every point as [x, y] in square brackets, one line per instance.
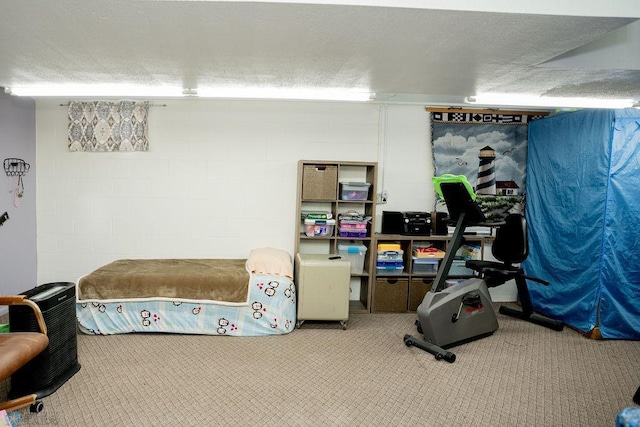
[150, 105]
[483, 111]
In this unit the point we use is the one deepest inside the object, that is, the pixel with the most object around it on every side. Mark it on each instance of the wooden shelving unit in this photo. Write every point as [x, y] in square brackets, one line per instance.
[404, 291]
[319, 190]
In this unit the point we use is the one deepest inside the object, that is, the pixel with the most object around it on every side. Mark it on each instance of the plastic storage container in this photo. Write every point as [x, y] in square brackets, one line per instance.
[390, 255]
[352, 232]
[316, 215]
[425, 265]
[351, 223]
[388, 247]
[390, 264]
[355, 255]
[469, 251]
[458, 268]
[389, 269]
[319, 227]
[354, 190]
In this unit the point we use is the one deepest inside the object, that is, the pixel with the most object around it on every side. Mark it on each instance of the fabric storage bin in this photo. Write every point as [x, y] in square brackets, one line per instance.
[319, 227]
[418, 288]
[424, 265]
[319, 182]
[355, 254]
[354, 190]
[390, 295]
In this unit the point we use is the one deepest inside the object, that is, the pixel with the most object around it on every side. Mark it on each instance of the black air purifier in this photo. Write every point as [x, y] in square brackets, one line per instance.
[59, 361]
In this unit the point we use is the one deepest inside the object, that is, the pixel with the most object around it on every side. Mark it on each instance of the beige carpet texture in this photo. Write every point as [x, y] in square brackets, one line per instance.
[321, 375]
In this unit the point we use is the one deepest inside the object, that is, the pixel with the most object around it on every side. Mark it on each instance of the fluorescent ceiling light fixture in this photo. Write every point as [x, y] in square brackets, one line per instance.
[287, 93]
[522, 100]
[124, 90]
[95, 90]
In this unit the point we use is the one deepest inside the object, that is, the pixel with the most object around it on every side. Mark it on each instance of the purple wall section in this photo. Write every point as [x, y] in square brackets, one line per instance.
[18, 267]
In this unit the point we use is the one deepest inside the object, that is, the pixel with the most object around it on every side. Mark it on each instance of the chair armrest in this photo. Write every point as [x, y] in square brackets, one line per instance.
[500, 271]
[536, 279]
[23, 300]
[11, 299]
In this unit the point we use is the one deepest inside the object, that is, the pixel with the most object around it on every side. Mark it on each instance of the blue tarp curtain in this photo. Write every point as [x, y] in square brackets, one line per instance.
[583, 211]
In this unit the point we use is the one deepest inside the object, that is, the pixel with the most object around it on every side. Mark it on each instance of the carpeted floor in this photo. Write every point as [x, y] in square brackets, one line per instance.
[523, 375]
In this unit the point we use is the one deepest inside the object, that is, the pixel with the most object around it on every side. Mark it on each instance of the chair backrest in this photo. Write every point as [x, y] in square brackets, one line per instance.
[459, 201]
[511, 243]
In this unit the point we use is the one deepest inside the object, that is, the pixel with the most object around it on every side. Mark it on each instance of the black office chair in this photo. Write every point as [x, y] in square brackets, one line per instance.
[511, 247]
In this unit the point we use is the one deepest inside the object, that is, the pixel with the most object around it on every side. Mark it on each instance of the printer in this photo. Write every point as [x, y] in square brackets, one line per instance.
[406, 223]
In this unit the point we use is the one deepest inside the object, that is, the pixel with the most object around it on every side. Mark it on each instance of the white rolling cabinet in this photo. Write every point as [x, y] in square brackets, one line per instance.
[323, 288]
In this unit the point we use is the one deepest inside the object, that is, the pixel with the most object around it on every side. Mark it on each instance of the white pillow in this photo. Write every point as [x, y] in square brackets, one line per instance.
[270, 261]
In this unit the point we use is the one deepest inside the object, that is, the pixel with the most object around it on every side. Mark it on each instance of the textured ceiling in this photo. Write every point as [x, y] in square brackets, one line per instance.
[400, 53]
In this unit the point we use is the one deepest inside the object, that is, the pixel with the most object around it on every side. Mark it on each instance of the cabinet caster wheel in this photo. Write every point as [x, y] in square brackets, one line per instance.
[36, 407]
[344, 325]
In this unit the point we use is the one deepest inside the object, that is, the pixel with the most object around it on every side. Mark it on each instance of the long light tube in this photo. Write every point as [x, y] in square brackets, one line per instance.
[287, 93]
[95, 90]
[522, 100]
[115, 90]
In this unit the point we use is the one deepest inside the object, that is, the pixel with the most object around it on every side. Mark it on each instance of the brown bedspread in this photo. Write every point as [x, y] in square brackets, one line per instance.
[224, 280]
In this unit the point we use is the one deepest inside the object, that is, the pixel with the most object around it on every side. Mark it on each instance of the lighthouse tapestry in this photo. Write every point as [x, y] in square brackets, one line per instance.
[487, 147]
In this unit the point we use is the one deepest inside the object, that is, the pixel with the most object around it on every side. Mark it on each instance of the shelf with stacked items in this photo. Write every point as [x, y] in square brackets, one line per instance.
[406, 266]
[336, 210]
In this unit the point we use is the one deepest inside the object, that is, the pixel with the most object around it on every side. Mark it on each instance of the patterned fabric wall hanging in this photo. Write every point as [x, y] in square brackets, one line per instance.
[108, 126]
[484, 117]
[489, 148]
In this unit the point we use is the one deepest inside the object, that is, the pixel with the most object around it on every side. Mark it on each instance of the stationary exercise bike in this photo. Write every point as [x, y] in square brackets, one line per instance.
[454, 315]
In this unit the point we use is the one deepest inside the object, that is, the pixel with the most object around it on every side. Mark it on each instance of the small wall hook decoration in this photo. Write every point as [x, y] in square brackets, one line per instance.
[16, 168]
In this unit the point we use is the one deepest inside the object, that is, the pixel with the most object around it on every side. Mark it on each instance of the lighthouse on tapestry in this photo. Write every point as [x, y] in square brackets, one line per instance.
[486, 183]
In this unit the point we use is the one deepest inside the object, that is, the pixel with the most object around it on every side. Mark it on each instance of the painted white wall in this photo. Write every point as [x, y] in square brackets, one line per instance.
[405, 161]
[219, 178]
[18, 234]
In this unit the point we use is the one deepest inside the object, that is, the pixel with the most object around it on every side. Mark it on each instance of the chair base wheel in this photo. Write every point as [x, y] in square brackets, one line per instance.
[36, 407]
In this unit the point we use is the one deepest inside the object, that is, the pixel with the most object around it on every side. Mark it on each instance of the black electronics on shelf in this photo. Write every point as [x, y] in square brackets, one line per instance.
[406, 223]
[59, 361]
